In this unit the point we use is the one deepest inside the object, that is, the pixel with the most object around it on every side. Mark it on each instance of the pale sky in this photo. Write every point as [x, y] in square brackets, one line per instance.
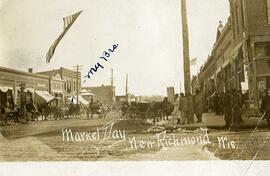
[148, 32]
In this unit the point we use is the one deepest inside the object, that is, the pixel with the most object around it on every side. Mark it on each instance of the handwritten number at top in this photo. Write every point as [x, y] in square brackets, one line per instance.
[105, 56]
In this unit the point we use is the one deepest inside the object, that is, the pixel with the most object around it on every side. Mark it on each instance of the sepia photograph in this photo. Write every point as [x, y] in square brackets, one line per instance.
[101, 81]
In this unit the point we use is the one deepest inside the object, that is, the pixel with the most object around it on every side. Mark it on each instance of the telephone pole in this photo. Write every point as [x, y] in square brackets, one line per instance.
[187, 85]
[185, 47]
[112, 77]
[77, 67]
[127, 87]
[180, 88]
[112, 85]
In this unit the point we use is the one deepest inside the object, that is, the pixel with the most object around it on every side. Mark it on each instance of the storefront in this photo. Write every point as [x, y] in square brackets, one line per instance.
[18, 87]
[6, 96]
[262, 53]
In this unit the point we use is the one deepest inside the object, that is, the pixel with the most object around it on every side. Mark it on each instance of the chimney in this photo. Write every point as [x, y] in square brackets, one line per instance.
[30, 70]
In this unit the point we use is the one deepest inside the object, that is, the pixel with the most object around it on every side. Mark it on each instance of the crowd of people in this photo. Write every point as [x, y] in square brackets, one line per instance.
[186, 106]
[230, 104]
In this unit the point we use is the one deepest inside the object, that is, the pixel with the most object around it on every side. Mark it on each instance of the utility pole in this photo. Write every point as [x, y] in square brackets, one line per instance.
[112, 85]
[112, 77]
[180, 88]
[185, 47]
[127, 87]
[190, 114]
[77, 67]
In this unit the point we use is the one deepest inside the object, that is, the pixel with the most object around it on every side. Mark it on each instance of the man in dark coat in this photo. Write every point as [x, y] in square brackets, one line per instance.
[184, 109]
[215, 102]
[227, 109]
[236, 108]
[265, 107]
[221, 103]
[198, 106]
[190, 111]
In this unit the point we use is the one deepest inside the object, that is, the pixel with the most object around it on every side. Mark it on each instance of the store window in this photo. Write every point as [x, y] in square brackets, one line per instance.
[268, 10]
[262, 49]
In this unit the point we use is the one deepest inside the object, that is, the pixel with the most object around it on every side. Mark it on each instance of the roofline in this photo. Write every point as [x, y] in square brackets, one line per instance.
[222, 34]
[23, 72]
[96, 86]
[61, 68]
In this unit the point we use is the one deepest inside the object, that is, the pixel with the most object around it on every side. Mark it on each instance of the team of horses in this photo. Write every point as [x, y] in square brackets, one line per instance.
[154, 111]
[42, 112]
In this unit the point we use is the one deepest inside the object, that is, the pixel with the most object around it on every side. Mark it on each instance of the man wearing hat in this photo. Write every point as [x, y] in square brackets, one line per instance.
[236, 105]
[265, 107]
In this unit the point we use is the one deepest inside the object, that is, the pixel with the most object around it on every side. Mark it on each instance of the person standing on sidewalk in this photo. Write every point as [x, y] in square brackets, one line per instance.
[215, 102]
[198, 106]
[182, 96]
[240, 94]
[265, 107]
[176, 109]
[184, 109]
[227, 109]
[190, 110]
[221, 103]
[236, 106]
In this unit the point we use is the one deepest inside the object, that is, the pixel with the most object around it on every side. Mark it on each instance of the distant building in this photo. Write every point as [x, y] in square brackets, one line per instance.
[170, 94]
[104, 93]
[121, 99]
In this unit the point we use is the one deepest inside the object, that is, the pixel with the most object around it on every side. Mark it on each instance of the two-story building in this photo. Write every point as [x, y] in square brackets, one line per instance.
[103, 93]
[240, 58]
[18, 87]
[70, 78]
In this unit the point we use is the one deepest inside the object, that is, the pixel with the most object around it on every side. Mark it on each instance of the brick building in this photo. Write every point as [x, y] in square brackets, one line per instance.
[240, 58]
[69, 77]
[104, 93]
[35, 87]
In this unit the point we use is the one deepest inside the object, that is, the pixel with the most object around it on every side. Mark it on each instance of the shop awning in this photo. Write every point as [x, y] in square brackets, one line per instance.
[88, 94]
[73, 99]
[44, 95]
[85, 92]
[5, 88]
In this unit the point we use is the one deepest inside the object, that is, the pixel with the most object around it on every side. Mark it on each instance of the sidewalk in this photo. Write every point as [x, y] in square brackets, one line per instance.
[211, 120]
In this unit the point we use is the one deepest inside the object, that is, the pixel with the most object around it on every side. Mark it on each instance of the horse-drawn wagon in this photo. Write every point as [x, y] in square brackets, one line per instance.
[154, 111]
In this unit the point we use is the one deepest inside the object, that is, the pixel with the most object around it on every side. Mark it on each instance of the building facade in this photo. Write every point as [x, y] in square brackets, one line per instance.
[104, 93]
[240, 58]
[71, 81]
[17, 87]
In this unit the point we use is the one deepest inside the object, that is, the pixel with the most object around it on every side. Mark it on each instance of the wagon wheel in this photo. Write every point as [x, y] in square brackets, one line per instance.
[23, 117]
[35, 115]
[5, 119]
[58, 114]
[132, 113]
